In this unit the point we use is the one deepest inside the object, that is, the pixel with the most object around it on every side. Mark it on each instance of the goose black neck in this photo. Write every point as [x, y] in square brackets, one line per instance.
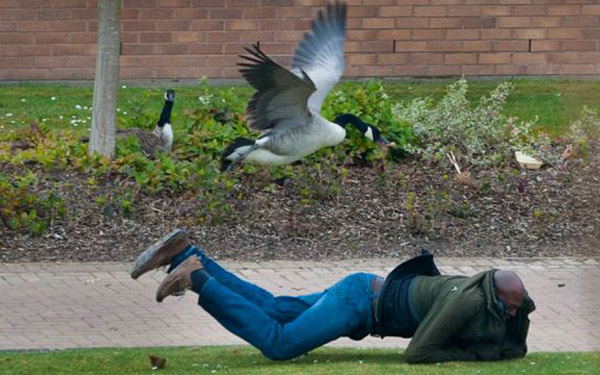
[165, 116]
[348, 118]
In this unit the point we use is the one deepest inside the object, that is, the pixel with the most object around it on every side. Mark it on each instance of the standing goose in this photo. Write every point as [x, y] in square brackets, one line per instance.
[286, 106]
[161, 139]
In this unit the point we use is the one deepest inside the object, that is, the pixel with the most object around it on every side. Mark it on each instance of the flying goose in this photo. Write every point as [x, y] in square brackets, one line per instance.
[287, 103]
[161, 139]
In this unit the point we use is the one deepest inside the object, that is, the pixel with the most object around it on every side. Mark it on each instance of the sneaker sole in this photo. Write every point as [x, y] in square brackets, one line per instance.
[144, 261]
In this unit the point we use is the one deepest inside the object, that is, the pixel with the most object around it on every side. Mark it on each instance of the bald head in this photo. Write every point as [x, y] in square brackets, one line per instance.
[510, 290]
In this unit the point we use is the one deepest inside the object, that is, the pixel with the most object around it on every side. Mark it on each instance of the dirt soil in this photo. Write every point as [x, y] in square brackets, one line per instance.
[554, 211]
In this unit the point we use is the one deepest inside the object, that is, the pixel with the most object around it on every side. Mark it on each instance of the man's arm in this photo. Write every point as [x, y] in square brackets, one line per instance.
[428, 343]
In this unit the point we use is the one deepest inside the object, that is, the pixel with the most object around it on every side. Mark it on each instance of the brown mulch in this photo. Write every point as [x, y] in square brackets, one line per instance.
[554, 211]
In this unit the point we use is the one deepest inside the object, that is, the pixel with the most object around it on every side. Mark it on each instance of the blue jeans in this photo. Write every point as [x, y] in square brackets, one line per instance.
[285, 327]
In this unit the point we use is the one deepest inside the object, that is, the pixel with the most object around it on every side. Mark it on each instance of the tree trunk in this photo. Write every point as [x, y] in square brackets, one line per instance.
[104, 117]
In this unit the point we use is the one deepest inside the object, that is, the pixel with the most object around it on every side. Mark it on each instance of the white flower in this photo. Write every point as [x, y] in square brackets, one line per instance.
[77, 106]
[23, 99]
[44, 119]
[124, 112]
[124, 87]
[53, 98]
[60, 117]
[8, 115]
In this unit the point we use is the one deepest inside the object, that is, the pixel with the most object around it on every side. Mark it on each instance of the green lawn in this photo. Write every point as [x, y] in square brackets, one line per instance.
[554, 101]
[244, 360]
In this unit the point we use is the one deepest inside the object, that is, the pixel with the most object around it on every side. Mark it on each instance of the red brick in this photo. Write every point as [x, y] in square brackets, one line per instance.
[462, 34]
[564, 10]
[24, 74]
[591, 10]
[444, 46]
[17, 14]
[411, 23]
[15, 62]
[460, 58]
[392, 11]
[208, 25]
[84, 14]
[546, 45]
[9, 3]
[137, 25]
[172, 25]
[410, 70]
[129, 37]
[223, 37]
[139, 3]
[443, 70]
[8, 26]
[580, 69]
[410, 46]
[51, 38]
[16, 38]
[205, 48]
[8, 50]
[287, 36]
[257, 13]
[560, 33]
[50, 61]
[511, 22]
[496, 34]
[512, 45]
[52, 14]
[69, 3]
[582, 21]
[137, 49]
[129, 14]
[544, 69]
[529, 58]
[73, 49]
[424, 34]
[403, 34]
[295, 12]
[392, 59]
[363, 59]
[376, 71]
[241, 25]
[574, 57]
[513, 70]
[477, 70]
[579, 45]
[387, 46]
[224, 14]
[155, 37]
[426, 58]
[81, 62]
[494, 58]
[477, 45]
[83, 38]
[363, 11]
[218, 60]
[590, 33]
[496, 10]
[243, 3]
[529, 33]
[364, 35]
[462, 22]
[190, 13]
[187, 37]
[545, 21]
[429, 11]
[172, 3]
[378, 23]
[51, 26]
[464, 11]
[156, 14]
[529, 10]
[253, 36]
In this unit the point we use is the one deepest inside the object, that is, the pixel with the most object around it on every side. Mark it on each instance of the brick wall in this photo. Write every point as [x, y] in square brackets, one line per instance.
[55, 39]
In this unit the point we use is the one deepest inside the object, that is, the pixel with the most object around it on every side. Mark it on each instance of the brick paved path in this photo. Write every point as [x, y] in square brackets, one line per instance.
[76, 305]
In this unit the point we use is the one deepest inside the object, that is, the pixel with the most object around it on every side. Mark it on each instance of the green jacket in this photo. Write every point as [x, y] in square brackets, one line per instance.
[460, 321]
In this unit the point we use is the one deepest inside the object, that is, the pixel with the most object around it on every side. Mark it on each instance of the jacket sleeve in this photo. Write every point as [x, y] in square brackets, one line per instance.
[429, 341]
[516, 332]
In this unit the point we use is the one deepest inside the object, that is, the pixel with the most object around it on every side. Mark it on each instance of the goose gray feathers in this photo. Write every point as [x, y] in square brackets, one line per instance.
[161, 139]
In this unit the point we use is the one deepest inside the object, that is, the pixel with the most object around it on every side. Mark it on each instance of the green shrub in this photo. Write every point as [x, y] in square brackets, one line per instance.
[480, 134]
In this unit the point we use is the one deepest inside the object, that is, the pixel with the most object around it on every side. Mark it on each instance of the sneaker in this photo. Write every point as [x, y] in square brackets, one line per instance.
[161, 253]
[179, 280]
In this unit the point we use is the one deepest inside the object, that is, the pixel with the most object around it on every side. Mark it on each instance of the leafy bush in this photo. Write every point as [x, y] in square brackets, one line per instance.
[24, 210]
[481, 135]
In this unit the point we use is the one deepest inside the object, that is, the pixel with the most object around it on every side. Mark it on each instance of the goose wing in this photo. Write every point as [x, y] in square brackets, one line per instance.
[321, 53]
[281, 97]
[149, 142]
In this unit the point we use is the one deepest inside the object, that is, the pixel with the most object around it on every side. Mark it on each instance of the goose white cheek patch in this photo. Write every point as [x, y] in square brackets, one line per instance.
[369, 133]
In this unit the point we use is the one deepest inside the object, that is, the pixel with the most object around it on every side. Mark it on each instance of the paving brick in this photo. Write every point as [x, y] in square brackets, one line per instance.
[52, 306]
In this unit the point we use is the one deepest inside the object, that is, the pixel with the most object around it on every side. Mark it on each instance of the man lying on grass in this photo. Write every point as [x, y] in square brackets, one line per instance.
[450, 318]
